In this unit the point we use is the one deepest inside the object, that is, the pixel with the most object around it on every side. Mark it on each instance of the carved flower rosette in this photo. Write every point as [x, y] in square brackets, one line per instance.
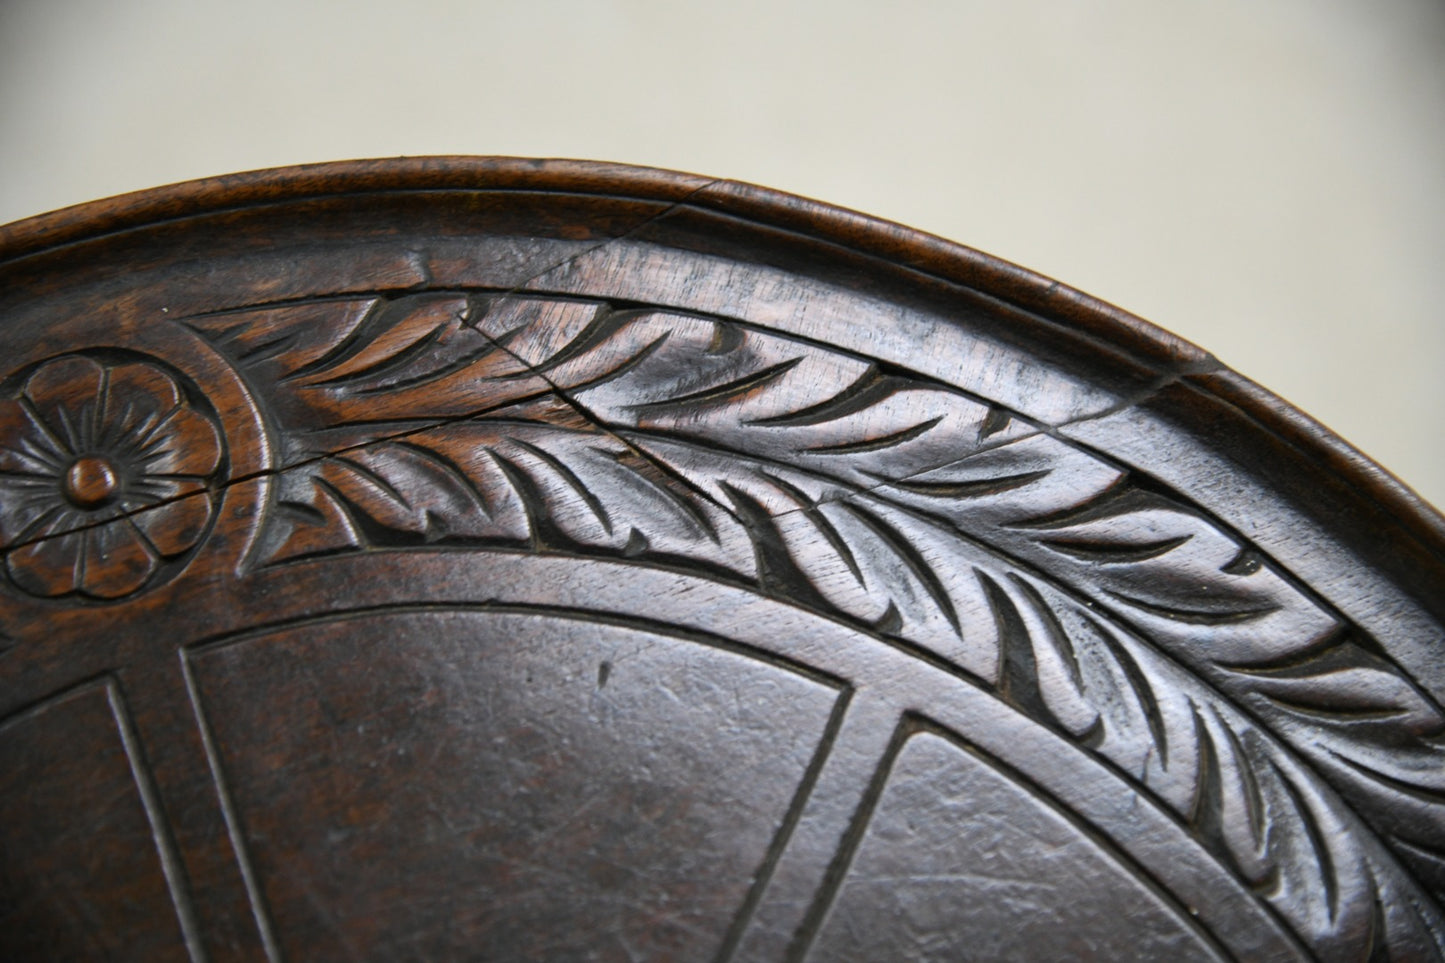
[105, 464]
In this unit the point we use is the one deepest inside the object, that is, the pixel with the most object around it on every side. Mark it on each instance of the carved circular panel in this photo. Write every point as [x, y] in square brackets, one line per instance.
[569, 561]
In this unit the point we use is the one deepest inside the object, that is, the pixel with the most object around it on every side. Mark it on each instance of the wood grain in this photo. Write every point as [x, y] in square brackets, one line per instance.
[555, 560]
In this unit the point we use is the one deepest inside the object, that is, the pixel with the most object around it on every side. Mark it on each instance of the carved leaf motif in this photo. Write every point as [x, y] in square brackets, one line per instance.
[902, 505]
[514, 479]
[384, 364]
[842, 432]
[932, 449]
[529, 484]
[1241, 792]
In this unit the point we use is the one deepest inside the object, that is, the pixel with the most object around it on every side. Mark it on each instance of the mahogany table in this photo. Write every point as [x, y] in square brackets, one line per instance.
[460, 558]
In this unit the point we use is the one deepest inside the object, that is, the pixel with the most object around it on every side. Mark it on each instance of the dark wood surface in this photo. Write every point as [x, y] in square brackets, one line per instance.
[495, 559]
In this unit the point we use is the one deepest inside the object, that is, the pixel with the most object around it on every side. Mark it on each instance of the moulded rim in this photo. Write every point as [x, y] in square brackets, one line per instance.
[884, 240]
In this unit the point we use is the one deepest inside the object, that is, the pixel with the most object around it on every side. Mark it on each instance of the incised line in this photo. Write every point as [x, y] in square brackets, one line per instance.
[231, 815]
[160, 829]
[784, 835]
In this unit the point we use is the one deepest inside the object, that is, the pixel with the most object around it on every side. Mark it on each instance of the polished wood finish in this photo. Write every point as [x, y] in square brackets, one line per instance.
[502, 559]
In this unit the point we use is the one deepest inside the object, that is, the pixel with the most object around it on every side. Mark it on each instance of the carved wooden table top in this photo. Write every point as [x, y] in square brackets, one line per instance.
[496, 559]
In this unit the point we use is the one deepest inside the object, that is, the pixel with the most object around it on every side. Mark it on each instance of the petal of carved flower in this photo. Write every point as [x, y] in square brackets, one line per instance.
[187, 444]
[138, 397]
[148, 490]
[174, 527]
[66, 393]
[30, 506]
[26, 448]
[48, 567]
[117, 560]
[30, 466]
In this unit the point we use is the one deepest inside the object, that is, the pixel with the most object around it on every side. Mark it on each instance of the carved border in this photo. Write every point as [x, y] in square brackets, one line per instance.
[1094, 600]
[842, 230]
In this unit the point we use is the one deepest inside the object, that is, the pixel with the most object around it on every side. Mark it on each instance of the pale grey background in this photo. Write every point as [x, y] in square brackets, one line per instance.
[1264, 177]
